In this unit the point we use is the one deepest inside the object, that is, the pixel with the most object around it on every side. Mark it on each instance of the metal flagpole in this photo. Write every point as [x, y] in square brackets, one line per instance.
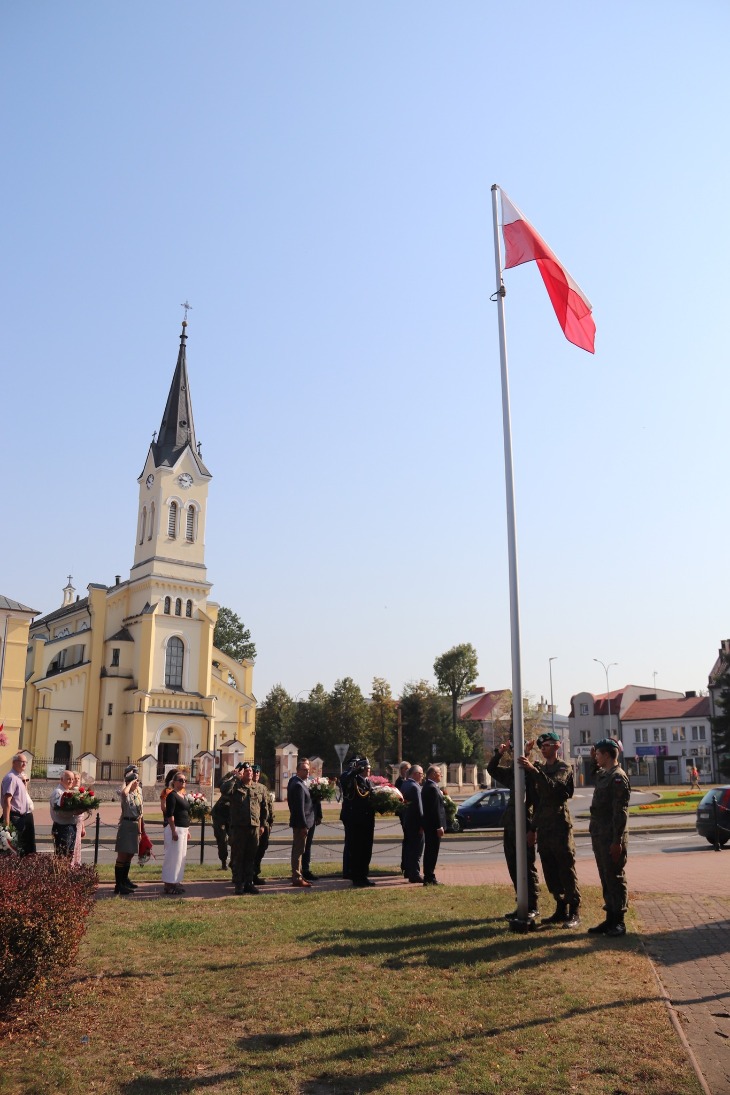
[518, 732]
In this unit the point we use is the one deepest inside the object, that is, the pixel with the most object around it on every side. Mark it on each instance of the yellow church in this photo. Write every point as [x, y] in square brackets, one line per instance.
[130, 672]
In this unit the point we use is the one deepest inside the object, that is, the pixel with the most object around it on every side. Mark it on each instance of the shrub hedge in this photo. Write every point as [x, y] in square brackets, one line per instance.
[44, 902]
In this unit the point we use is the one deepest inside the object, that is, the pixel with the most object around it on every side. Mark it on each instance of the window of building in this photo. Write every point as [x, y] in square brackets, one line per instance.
[152, 520]
[108, 739]
[584, 709]
[698, 733]
[585, 737]
[167, 606]
[110, 709]
[190, 524]
[174, 663]
[142, 523]
[172, 521]
[115, 655]
[178, 607]
[637, 734]
[188, 608]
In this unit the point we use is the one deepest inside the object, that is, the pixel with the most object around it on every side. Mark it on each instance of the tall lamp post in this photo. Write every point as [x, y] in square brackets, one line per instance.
[608, 690]
[552, 705]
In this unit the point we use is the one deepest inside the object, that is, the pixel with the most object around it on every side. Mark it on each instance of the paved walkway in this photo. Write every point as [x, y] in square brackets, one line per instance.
[683, 904]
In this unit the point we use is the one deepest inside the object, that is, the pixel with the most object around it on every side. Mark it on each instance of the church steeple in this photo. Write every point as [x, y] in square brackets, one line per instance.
[177, 430]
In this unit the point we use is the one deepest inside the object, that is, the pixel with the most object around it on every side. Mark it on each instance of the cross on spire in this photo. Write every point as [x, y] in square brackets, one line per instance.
[188, 308]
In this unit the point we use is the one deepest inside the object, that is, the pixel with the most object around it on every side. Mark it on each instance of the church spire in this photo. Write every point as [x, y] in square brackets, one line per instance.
[177, 430]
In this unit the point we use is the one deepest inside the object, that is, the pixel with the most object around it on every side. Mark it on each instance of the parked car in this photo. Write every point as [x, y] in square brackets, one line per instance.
[715, 804]
[484, 810]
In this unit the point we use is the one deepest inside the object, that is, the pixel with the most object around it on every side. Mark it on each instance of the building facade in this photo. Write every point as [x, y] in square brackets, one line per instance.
[664, 739]
[15, 620]
[130, 670]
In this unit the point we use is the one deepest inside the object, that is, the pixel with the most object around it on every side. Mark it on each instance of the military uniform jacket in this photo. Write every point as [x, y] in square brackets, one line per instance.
[551, 786]
[610, 805]
[267, 815]
[505, 774]
[247, 805]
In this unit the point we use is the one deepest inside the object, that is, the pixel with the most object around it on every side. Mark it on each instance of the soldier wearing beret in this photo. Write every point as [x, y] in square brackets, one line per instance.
[247, 812]
[267, 822]
[551, 785]
[609, 834]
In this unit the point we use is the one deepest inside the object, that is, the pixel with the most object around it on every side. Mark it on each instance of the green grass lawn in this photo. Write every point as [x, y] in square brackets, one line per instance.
[403, 990]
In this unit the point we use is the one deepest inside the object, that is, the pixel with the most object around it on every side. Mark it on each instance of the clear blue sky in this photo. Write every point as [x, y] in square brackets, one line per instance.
[315, 178]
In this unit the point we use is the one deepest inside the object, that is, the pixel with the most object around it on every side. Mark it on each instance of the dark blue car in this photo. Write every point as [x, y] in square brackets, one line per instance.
[484, 810]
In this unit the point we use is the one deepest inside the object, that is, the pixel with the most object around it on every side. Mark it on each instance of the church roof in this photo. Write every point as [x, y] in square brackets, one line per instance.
[8, 604]
[59, 613]
[177, 430]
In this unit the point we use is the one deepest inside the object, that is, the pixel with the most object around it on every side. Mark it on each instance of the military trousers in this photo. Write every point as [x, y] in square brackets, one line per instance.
[244, 844]
[557, 855]
[263, 845]
[612, 875]
[220, 832]
[510, 854]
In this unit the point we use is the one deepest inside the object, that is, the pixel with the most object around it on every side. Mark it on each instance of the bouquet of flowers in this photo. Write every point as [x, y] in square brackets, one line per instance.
[8, 838]
[385, 798]
[197, 806]
[78, 802]
[321, 789]
[450, 807]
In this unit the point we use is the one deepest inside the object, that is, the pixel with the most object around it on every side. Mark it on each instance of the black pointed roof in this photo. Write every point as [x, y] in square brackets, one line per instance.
[177, 430]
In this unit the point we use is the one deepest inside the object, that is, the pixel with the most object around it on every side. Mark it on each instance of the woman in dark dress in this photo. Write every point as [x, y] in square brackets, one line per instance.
[177, 817]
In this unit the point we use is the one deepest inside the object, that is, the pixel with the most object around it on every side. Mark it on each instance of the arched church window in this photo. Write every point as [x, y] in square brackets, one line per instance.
[152, 520]
[167, 606]
[188, 608]
[190, 524]
[142, 523]
[178, 607]
[174, 663]
[172, 521]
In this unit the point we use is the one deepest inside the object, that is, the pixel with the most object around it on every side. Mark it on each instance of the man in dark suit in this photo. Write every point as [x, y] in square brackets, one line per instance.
[413, 824]
[434, 823]
[301, 819]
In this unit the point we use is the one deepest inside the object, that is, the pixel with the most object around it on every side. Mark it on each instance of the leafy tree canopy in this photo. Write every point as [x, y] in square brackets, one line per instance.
[232, 637]
[456, 672]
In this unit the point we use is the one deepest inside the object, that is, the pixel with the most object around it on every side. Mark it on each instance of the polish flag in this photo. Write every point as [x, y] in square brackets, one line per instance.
[572, 306]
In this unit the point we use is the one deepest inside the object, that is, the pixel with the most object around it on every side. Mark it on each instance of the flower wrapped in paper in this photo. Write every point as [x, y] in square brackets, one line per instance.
[384, 797]
[320, 789]
[8, 838]
[197, 806]
[81, 801]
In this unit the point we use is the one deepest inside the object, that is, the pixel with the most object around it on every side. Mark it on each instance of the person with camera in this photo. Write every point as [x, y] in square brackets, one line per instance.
[358, 817]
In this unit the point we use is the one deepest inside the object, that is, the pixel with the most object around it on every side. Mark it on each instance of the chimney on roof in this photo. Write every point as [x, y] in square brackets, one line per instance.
[648, 696]
[117, 579]
[690, 695]
[478, 691]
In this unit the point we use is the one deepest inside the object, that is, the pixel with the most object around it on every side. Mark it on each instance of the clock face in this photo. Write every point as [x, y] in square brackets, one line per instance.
[149, 481]
[185, 480]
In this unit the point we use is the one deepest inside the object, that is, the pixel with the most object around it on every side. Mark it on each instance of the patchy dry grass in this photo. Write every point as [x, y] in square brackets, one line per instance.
[402, 990]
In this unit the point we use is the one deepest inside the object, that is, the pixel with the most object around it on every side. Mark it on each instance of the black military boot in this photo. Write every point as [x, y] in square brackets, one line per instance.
[249, 888]
[602, 928]
[617, 928]
[558, 916]
[572, 920]
[120, 872]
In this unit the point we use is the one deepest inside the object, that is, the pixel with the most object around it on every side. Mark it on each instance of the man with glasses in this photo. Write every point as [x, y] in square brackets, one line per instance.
[17, 805]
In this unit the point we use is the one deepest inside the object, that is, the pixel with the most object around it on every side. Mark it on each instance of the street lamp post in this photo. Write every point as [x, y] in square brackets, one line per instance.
[552, 705]
[608, 690]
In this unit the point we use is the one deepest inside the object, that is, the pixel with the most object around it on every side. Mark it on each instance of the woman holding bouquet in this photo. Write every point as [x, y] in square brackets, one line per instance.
[64, 821]
[177, 816]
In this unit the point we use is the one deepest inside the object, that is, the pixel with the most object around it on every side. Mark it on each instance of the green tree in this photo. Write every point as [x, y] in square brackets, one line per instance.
[311, 731]
[349, 717]
[424, 718]
[456, 672]
[721, 722]
[383, 717]
[232, 637]
[274, 725]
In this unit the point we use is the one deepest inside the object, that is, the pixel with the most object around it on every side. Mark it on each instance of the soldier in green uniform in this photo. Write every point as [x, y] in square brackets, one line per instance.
[247, 812]
[609, 834]
[500, 768]
[221, 817]
[551, 785]
[267, 822]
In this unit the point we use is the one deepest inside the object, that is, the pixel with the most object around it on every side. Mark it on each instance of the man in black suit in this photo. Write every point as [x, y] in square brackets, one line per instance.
[301, 819]
[413, 824]
[434, 823]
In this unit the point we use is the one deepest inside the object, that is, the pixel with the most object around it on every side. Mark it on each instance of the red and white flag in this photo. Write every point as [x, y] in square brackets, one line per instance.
[572, 307]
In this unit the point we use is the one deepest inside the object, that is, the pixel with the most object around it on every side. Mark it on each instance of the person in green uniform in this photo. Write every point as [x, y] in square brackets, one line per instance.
[500, 768]
[247, 812]
[267, 822]
[609, 834]
[551, 785]
[221, 817]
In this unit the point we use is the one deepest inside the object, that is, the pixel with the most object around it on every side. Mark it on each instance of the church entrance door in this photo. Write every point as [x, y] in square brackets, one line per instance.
[168, 753]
